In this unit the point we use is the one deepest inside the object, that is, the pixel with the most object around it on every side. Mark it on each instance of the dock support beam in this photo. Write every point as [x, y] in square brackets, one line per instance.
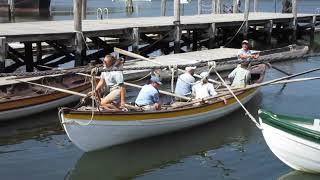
[163, 7]
[84, 9]
[28, 56]
[313, 28]
[294, 22]
[39, 51]
[199, 7]
[135, 38]
[176, 9]
[194, 40]
[246, 18]
[269, 31]
[3, 54]
[212, 35]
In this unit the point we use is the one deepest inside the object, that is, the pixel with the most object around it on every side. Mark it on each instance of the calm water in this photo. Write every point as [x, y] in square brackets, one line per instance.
[62, 9]
[230, 148]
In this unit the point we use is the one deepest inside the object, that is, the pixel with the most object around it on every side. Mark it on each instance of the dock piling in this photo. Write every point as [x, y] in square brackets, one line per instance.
[255, 6]
[176, 9]
[218, 5]
[80, 52]
[84, 9]
[163, 7]
[213, 6]
[28, 56]
[294, 22]
[135, 38]
[235, 5]
[246, 18]
[269, 31]
[3, 54]
[199, 7]
[212, 35]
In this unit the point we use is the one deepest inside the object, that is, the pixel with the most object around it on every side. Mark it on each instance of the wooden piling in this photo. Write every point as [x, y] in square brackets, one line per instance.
[79, 39]
[3, 54]
[135, 38]
[235, 6]
[313, 27]
[255, 6]
[199, 7]
[28, 56]
[218, 5]
[84, 9]
[294, 22]
[12, 9]
[176, 9]
[163, 7]
[212, 35]
[213, 6]
[246, 18]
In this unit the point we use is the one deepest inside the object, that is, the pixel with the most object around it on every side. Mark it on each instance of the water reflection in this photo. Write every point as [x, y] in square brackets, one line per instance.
[130, 160]
[297, 175]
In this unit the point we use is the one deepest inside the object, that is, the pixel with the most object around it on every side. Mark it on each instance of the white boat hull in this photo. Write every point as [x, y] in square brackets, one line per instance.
[300, 154]
[34, 109]
[99, 134]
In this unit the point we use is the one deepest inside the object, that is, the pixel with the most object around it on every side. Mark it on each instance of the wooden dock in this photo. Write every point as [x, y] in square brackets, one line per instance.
[143, 35]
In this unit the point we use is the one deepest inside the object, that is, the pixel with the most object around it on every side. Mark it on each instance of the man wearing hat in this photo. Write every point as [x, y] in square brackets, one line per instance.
[240, 76]
[245, 53]
[148, 97]
[185, 83]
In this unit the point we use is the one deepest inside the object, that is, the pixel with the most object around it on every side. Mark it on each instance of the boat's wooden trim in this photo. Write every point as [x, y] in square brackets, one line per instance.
[154, 115]
[285, 123]
[41, 99]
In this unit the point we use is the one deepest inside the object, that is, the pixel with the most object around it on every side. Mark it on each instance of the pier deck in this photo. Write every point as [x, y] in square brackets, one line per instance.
[53, 30]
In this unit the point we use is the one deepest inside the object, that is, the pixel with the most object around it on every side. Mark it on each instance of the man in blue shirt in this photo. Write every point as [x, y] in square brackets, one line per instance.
[185, 83]
[148, 97]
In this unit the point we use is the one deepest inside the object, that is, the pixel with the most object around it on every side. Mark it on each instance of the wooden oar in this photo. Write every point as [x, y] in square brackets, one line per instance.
[138, 86]
[137, 56]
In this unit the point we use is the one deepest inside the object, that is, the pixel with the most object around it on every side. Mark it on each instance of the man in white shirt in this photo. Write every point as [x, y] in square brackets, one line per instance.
[240, 76]
[185, 82]
[203, 89]
[245, 53]
[113, 83]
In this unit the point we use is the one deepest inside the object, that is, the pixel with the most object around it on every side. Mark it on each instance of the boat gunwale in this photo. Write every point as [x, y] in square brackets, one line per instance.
[282, 122]
[220, 104]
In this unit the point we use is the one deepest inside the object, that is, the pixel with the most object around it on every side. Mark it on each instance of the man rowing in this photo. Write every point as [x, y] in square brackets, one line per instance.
[112, 82]
[185, 82]
[149, 97]
[203, 89]
[245, 53]
[240, 76]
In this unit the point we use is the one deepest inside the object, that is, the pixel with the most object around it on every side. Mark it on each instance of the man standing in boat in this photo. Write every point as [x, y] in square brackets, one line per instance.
[245, 53]
[185, 83]
[113, 83]
[149, 97]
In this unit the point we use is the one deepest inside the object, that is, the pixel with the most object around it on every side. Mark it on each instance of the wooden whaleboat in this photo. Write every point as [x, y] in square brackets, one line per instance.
[92, 129]
[18, 99]
[294, 140]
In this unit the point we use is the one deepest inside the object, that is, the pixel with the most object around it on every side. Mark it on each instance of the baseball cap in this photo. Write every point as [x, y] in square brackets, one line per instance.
[189, 68]
[245, 42]
[204, 74]
[156, 79]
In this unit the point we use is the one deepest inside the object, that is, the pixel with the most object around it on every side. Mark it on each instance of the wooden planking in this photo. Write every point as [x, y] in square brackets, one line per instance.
[33, 31]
